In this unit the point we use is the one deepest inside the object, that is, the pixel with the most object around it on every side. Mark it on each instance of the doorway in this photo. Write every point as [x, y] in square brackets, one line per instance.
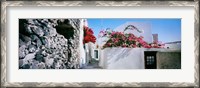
[150, 59]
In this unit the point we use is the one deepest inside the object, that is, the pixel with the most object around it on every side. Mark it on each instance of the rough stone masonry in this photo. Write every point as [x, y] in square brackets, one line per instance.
[49, 43]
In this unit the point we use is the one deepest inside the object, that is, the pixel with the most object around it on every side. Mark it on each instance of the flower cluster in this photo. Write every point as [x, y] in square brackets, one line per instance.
[88, 35]
[119, 39]
[157, 45]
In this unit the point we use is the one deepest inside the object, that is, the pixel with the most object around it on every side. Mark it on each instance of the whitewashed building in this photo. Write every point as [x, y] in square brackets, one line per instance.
[87, 49]
[129, 58]
[137, 28]
[125, 58]
[82, 60]
[132, 58]
[173, 45]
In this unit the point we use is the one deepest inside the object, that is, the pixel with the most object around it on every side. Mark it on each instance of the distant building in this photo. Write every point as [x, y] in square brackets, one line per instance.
[155, 37]
[173, 45]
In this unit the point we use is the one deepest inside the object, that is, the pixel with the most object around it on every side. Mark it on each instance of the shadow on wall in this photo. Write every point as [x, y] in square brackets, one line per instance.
[123, 58]
[118, 55]
[133, 58]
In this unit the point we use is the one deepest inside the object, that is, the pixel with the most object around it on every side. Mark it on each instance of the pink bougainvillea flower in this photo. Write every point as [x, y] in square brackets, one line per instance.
[119, 39]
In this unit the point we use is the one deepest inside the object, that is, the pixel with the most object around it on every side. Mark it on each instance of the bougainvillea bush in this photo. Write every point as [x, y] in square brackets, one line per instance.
[88, 35]
[120, 39]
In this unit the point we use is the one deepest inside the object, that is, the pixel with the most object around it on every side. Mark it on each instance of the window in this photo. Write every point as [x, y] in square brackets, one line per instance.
[96, 54]
[150, 59]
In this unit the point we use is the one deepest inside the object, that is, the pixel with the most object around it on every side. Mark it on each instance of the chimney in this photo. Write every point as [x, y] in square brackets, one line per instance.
[155, 37]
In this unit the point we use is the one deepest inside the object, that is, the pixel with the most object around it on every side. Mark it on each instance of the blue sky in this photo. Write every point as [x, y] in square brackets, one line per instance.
[168, 30]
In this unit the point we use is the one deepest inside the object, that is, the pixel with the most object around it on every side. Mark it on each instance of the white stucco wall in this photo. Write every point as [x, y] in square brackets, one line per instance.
[102, 61]
[85, 54]
[145, 27]
[122, 58]
[126, 58]
[82, 60]
[90, 51]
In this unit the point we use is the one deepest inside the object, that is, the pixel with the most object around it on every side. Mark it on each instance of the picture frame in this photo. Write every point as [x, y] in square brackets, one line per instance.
[4, 45]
